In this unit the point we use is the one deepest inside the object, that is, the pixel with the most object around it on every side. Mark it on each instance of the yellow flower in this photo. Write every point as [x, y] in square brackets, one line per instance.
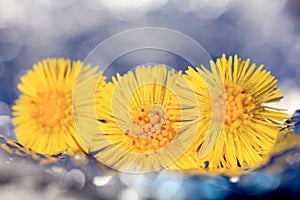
[235, 96]
[43, 113]
[146, 120]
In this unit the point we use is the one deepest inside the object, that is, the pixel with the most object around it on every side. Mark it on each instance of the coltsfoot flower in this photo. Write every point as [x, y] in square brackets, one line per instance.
[147, 118]
[43, 113]
[249, 126]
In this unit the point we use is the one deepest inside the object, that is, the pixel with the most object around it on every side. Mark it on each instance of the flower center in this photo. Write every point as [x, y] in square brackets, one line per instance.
[151, 129]
[238, 106]
[51, 109]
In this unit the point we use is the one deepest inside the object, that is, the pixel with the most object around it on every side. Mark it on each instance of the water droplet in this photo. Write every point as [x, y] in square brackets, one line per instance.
[75, 179]
[167, 186]
[110, 190]
[101, 180]
[234, 179]
[58, 170]
[129, 193]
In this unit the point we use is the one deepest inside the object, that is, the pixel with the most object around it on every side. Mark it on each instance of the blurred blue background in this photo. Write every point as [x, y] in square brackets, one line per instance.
[267, 31]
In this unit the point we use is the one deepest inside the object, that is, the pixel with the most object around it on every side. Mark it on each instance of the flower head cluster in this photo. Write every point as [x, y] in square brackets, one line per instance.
[234, 94]
[153, 118]
[145, 119]
[43, 113]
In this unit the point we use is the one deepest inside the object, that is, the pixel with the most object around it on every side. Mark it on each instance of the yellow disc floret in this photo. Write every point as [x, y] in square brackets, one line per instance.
[151, 130]
[52, 109]
[239, 105]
